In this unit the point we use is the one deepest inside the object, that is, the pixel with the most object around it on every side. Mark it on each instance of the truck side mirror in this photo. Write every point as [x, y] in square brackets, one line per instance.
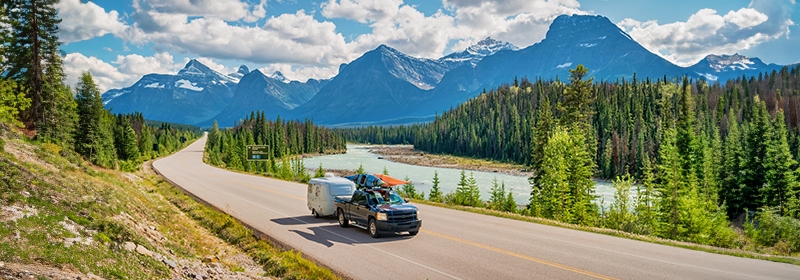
[406, 200]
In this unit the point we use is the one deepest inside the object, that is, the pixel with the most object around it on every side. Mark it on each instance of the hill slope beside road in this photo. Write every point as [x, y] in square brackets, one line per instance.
[452, 244]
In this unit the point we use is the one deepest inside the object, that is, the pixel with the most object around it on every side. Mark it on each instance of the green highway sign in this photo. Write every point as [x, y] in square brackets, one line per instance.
[257, 152]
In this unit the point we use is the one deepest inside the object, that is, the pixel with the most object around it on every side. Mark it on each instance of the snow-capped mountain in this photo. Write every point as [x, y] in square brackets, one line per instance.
[259, 92]
[280, 77]
[195, 94]
[484, 48]
[386, 85]
[243, 70]
[725, 67]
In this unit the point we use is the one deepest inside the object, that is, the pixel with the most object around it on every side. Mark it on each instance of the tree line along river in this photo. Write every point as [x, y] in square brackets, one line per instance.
[422, 176]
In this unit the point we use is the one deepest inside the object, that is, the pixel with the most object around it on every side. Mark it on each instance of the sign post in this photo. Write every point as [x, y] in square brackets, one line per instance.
[257, 153]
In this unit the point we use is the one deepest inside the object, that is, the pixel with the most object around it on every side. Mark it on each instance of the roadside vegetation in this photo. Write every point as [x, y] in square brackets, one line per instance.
[61, 212]
[712, 164]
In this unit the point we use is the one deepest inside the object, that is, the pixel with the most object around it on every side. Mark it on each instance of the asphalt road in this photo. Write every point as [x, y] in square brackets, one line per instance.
[452, 244]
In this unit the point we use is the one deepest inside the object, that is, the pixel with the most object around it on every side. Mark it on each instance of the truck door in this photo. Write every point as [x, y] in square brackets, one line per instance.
[359, 207]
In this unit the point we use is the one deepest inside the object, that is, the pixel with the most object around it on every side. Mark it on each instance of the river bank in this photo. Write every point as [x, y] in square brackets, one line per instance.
[408, 155]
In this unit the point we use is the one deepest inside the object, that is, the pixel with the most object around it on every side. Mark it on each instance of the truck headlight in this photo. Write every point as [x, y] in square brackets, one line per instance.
[382, 216]
[418, 218]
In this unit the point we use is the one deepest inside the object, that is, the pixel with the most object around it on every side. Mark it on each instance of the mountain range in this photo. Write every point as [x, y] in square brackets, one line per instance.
[385, 86]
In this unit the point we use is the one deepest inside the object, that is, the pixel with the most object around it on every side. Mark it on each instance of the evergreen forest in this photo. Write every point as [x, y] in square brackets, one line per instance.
[687, 157]
[285, 139]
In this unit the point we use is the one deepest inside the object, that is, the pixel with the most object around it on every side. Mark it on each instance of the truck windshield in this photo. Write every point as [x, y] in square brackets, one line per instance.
[380, 197]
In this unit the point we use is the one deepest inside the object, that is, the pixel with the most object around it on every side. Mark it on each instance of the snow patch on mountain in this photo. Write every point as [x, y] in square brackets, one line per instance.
[730, 62]
[188, 85]
[280, 77]
[154, 85]
[113, 95]
[708, 76]
[478, 51]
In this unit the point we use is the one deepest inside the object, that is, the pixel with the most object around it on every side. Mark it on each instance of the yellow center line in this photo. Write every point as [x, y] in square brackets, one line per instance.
[541, 261]
[244, 184]
[581, 271]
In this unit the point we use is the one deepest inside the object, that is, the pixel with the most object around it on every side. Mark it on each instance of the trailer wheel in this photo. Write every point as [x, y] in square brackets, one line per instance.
[314, 212]
[343, 222]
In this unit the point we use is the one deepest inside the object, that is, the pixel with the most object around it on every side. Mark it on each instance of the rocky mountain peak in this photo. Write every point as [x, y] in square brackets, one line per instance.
[580, 27]
[243, 70]
[486, 47]
[196, 68]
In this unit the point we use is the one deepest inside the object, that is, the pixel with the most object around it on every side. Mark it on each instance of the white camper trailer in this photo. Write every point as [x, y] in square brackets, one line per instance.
[321, 192]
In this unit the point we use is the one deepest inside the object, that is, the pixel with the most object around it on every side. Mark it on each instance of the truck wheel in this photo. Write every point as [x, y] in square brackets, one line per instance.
[343, 222]
[413, 232]
[314, 212]
[373, 228]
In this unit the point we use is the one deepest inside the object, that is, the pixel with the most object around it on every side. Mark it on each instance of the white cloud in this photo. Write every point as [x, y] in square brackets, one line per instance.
[289, 38]
[520, 22]
[363, 11]
[85, 21]
[411, 32]
[123, 72]
[301, 74]
[227, 10]
[135, 64]
[745, 18]
[707, 32]
[105, 75]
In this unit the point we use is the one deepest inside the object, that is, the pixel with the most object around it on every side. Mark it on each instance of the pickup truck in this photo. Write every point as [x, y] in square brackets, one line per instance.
[379, 211]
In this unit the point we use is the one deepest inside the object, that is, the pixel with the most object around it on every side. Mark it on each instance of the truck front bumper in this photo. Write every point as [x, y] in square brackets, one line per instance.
[388, 226]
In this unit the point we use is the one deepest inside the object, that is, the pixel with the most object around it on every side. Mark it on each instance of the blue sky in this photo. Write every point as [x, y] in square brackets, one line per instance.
[121, 40]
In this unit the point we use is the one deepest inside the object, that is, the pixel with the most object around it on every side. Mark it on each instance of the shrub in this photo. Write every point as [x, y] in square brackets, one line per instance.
[772, 230]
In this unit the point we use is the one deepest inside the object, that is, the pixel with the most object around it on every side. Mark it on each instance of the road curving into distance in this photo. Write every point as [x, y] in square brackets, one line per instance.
[452, 244]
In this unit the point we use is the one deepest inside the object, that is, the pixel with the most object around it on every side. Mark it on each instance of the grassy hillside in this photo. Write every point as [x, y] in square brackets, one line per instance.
[62, 217]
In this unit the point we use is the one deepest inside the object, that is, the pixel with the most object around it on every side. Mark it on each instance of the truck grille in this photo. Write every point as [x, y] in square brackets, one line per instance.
[403, 218]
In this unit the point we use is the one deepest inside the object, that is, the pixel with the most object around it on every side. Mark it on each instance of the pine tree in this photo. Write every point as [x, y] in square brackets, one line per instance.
[33, 40]
[213, 137]
[730, 174]
[645, 199]
[360, 169]
[509, 205]
[553, 197]
[461, 196]
[671, 186]
[436, 194]
[576, 108]
[320, 172]
[59, 117]
[780, 177]
[130, 148]
[756, 152]
[498, 195]
[474, 193]
[544, 129]
[385, 171]
[409, 190]
[579, 178]
[91, 134]
[145, 141]
[685, 139]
